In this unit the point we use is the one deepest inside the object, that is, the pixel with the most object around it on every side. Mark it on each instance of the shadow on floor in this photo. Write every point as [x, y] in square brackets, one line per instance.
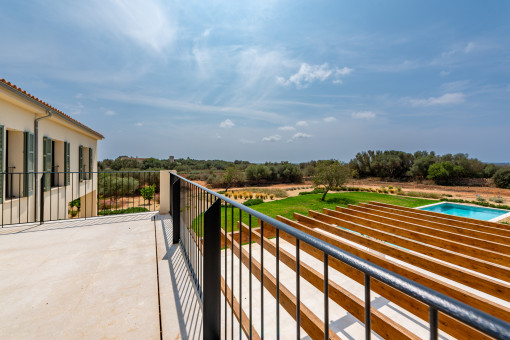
[76, 223]
[187, 301]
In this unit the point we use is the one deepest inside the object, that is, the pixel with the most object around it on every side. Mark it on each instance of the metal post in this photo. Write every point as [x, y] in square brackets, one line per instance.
[212, 271]
[41, 207]
[176, 210]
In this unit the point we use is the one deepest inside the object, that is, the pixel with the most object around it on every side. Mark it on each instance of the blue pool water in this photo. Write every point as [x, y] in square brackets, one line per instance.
[479, 213]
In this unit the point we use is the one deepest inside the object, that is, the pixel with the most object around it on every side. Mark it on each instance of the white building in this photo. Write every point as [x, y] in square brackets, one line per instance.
[36, 138]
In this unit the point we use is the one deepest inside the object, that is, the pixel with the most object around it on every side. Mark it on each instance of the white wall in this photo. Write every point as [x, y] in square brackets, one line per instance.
[19, 114]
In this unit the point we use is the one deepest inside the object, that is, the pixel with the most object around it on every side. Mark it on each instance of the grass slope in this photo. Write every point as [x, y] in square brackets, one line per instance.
[301, 204]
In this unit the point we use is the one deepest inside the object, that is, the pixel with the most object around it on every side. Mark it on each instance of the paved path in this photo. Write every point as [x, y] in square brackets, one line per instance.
[80, 279]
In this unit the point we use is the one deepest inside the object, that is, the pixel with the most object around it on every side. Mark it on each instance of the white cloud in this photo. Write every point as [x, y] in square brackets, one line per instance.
[274, 138]
[444, 73]
[301, 135]
[469, 47]
[109, 112]
[329, 119]
[207, 32]
[147, 23]
[307, 74]
[139, 124]
[446, 99]
[286, 128]
[363, 115]
[455, 86]
[188, 105]
[302, 123]
[72, 109]
[227, 124]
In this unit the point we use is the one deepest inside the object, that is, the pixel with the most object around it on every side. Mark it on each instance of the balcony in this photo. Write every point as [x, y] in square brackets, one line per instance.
[136, 276]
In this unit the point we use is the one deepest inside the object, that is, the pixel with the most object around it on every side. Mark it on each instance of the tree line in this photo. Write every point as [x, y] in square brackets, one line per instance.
[445, 169]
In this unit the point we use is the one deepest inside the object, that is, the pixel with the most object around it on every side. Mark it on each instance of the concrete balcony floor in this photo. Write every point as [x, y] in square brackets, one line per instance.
[109, 277]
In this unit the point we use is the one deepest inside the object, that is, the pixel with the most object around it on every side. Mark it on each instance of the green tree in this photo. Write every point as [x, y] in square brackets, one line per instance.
[445, 172]
[231, 176]
[129, 163]
[331, 174]
[258, 172]
[289, 172]
[148, 192]
[502, 178]
[151, 163]
[421, 165]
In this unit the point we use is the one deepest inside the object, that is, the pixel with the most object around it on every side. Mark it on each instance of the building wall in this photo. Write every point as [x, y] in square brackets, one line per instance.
[18, 114]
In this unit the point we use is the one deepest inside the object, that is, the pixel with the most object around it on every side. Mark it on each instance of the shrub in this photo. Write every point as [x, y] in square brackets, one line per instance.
[502, 178]
[253, 201]
[75, 203]
[123, 211]
[480, 198]
[421, 194]
[497, 199]
[314, 191]
[118, 184]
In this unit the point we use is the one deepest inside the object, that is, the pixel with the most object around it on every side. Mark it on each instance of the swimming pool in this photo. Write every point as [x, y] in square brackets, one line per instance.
[479, 213]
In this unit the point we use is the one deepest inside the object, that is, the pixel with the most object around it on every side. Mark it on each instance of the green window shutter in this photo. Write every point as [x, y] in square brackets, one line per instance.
[80, 167]
[1, 163]
[67, 163]
[47, 163]
[28, 163]
[91, 165]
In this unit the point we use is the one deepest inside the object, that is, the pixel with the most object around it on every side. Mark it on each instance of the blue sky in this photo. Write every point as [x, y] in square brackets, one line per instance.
[269, 80]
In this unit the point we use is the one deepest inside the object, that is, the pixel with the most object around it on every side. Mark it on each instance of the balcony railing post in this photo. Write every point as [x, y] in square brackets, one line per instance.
[212, 271]
[176, 209]
[41, 206]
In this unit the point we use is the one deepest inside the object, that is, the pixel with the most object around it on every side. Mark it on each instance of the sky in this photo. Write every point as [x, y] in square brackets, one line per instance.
[269, 80]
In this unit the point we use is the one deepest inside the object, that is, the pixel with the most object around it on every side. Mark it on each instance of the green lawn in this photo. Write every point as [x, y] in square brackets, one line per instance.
[301, 204]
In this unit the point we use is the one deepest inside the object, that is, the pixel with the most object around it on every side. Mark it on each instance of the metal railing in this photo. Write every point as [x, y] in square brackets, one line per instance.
[30, 197]
[204, 226]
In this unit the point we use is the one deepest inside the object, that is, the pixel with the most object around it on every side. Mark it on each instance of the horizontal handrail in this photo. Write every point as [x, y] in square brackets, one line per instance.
[473, 317]
[78, 172]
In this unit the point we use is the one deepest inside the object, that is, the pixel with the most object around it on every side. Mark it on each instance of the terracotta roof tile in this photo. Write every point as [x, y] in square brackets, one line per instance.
[49, 106]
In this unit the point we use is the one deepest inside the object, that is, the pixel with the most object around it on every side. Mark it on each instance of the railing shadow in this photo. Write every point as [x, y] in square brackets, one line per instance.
[76, 223]
[187, 300]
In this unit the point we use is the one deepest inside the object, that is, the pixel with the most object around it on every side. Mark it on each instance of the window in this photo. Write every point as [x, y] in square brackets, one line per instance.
[1, 163]
[47, 162]
[55, 163]
[67, 163]
[86, 162]
[28, 163]
[58, 156]
[14, 151]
